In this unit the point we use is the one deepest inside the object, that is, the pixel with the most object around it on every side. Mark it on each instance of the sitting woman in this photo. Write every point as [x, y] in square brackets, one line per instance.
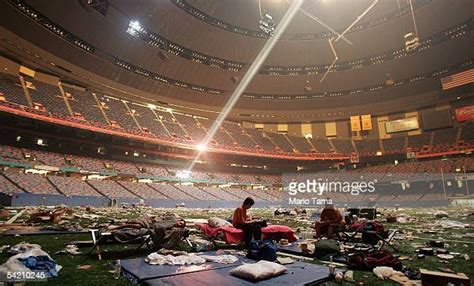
[330, 220]
[252, 228]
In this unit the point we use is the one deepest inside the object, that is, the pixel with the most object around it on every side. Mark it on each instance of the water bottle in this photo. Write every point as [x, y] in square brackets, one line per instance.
[117, 269]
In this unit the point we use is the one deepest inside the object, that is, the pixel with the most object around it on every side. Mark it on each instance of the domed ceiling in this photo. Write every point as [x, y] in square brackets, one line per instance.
[194, 52]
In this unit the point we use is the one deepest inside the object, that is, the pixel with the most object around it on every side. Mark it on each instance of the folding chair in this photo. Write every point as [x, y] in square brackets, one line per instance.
[385, 237]
[388, 241]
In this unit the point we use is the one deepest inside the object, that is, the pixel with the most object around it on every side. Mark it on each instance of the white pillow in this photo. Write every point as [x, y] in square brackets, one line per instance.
[218, 222]
[258, 271]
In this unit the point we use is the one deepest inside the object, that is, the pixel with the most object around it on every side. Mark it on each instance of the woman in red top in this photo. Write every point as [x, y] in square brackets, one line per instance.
[251, 228]
[330, 220]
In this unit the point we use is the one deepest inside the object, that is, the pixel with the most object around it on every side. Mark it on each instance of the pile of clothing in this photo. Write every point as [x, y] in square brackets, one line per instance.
[28, 258]
[188, 259]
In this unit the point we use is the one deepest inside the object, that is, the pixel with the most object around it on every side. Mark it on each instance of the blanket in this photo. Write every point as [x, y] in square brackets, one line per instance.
[163, 231]
[234, 235]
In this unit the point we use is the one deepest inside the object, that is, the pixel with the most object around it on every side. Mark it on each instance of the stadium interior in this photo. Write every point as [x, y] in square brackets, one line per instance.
[237, 142]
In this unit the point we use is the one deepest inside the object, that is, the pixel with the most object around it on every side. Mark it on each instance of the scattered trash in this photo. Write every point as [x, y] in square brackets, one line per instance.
[446, 269]
[85, 267]
[427, 251]
[383, 272]
[412, 274]
[417, 245]
[70, 249]
[436, 234]
[285, 260]
[23, 247]
[199, 244]
[451, 224]
[436, 243]
[440, 214]
[445, 256]
[339, 277]
[3, 247]
[349, 276]
[442, 251]
[222, 259]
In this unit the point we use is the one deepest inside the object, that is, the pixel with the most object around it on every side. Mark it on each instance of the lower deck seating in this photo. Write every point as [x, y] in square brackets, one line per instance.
[11, 154]
[111, 189]
[196, 192]
[171, 192]
[240, 193]
[8, 187]
[142, 190]
[46, 158]
[73, 186]
[220, 194]
[32, 183]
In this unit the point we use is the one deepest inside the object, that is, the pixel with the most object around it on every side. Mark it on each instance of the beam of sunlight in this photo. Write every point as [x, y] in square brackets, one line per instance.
[247, 78]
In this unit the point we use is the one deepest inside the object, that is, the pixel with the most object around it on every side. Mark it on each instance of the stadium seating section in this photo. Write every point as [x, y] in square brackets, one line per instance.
[64, 102]
[162, 183]
[111, 113]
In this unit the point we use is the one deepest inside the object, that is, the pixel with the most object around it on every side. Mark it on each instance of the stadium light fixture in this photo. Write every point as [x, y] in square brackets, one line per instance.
[183, 174]
[134, 28]
[41, 142]
[266, 24]
[201, 147]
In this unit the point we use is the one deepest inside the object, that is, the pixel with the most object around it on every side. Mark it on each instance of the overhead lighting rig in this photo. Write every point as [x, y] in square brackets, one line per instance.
[412, 40]
[339, 35]
[134, 28]
[266, 24]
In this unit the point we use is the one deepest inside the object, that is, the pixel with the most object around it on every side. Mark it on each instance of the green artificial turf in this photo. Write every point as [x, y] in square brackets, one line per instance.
[100, 275]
